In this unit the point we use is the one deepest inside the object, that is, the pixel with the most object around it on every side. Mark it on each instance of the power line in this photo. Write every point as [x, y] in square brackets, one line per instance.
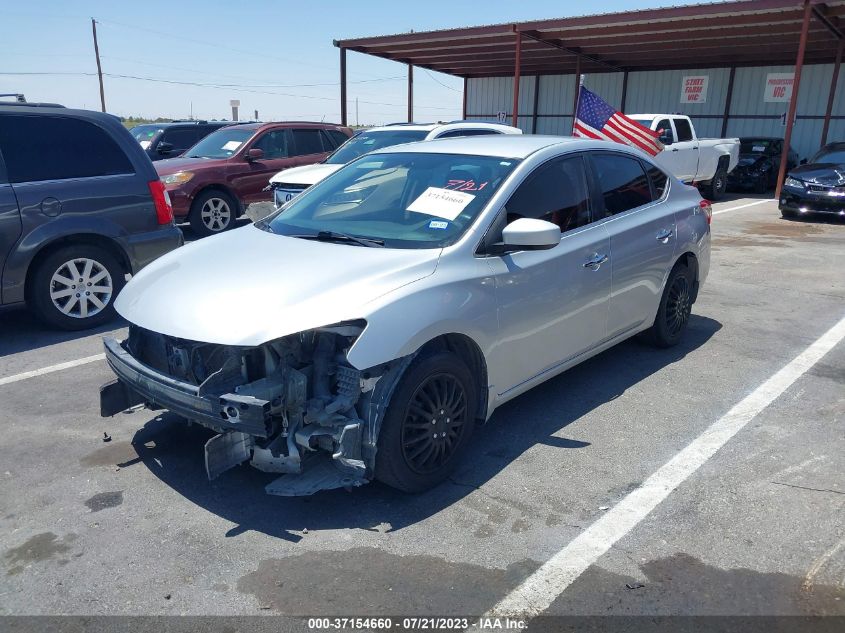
[232, 87]
[436, 80]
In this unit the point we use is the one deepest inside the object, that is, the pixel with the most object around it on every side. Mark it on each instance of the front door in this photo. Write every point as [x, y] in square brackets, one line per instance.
[552, 304]
[253, 176]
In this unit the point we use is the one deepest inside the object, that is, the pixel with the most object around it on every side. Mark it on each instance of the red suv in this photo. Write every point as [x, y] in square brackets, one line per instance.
[211, 183]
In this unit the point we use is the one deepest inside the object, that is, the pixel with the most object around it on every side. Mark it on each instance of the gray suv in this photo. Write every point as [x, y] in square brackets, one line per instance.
[81, 207]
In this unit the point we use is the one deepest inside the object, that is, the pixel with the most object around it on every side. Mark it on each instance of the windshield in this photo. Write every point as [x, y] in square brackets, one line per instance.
[368, 141]
[220, 144]
[830, 156]
[406, 200]
[756, 146]
[144, 133]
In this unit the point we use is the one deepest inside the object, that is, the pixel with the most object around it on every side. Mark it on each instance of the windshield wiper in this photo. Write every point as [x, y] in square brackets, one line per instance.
[334, 236]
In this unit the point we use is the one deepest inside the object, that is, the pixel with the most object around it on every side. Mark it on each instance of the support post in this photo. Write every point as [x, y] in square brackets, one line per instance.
[464, 110]
[410, 93]
[831, 97]
[624, 92]
[728, 99]
[536, 104]
[343, 86]
[793, 101]
[516, 69]
[577, 91]
[99, 68]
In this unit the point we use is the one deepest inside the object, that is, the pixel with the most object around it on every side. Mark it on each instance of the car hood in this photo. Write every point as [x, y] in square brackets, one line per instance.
[305, 175]
[249, 286]
[820, 173]
[173, 165]
[747, 160]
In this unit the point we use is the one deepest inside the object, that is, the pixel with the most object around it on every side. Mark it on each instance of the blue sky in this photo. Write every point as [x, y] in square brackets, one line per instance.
[279, 50]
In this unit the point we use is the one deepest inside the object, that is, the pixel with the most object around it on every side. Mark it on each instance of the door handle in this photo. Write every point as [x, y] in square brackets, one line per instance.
[675, 150]
[595, 262]
[664, 235]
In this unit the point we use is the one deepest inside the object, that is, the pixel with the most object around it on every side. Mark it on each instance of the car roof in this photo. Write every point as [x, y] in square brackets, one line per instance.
[428, 127]
[275, 124]
[498, 145]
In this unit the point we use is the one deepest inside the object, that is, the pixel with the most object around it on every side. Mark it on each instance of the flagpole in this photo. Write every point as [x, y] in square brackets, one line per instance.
[577, 104]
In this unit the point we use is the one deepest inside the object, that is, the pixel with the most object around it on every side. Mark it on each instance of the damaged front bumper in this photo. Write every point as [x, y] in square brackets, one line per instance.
[291, 407]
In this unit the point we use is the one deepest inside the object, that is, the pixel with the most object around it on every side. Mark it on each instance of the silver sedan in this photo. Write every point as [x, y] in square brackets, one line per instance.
[366, 328]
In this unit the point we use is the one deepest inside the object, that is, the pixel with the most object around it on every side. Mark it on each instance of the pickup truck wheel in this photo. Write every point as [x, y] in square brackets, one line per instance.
[428, 423]
[675, 308]
[212, 212]
[715, 189]
[74, 288]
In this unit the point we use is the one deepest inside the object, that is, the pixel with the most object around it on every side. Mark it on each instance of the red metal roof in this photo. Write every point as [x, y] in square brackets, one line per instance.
[738, 33]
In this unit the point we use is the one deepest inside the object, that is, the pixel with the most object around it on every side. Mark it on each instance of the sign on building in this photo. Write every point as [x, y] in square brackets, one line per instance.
[778, 87]
[502, 116]
[694, 88]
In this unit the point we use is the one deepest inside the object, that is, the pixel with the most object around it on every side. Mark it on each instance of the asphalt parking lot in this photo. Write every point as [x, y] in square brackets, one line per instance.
[132, 526]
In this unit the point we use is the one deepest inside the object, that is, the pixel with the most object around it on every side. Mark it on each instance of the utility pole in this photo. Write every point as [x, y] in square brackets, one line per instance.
[357, 122]
[99, 67]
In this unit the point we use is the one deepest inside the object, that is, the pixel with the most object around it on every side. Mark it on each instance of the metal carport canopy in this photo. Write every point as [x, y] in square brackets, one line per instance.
[748, 32]
[724, 34]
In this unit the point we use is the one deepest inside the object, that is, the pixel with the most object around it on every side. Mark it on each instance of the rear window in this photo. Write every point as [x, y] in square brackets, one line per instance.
[307, 141]
[623, 182]
[658, 181]
[38, 148]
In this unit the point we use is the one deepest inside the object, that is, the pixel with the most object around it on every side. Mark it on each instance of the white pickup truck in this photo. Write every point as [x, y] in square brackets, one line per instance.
[704, 162]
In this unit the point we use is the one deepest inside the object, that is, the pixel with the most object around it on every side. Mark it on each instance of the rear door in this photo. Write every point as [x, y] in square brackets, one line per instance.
[642, 234]
[10, 220]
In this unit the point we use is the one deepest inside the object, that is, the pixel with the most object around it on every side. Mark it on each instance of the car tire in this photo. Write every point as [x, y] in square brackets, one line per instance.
[788, 215]
[762, 184]
[437, 396]
[674, 310]
[52, 291]
[212, 212]
[715, 189]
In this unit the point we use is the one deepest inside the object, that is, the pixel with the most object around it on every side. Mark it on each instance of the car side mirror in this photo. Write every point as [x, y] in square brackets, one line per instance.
[164, 148]
[528, 234]
[254, 154]
[666, 139]
[803, 161]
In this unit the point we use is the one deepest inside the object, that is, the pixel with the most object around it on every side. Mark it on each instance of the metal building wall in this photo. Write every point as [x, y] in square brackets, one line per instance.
[660, 91]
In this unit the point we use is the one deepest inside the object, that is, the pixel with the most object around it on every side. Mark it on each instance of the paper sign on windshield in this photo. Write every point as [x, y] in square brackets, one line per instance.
[231, 146]
[144, 144]
[442, 203]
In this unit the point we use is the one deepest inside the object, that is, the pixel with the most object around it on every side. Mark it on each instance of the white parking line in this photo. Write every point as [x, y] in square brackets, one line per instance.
[51, 369]
[539, 590]
[742, 206]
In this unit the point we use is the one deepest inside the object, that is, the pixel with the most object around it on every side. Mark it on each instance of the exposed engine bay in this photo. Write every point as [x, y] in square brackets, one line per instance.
[292, 406]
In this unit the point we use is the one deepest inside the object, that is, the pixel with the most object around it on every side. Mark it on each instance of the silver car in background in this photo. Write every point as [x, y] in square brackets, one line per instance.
[364, 330]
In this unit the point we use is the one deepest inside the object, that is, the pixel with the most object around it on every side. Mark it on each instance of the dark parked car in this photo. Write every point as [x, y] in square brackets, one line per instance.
[217, 178]
[169, 140]
[759, 159]
[818, 186]
[81, 206]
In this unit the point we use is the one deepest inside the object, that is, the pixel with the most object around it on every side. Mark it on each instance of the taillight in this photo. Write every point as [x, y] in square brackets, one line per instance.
[161, 199]
[706, 209]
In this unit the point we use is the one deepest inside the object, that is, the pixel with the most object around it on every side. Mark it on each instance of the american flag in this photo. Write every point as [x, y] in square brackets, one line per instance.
[596, 119]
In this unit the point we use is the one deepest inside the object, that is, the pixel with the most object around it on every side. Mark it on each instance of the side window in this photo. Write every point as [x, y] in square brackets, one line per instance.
[658, 181]
[274, 144]
[307, 141]
[338, 137]
[179, 139]
[684, 130]
[556, 192]
[665, 129]
[454, 133]
[622, 182]
[40, 148]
